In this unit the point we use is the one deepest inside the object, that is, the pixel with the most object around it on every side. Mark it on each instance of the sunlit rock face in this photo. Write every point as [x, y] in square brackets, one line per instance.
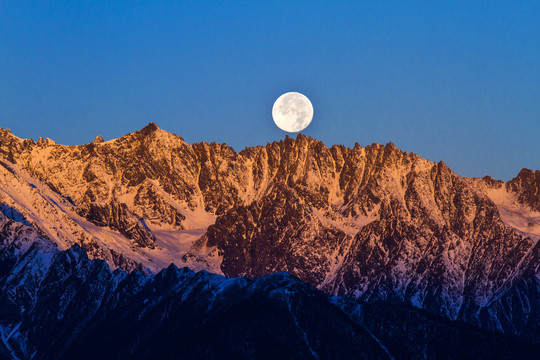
[373, 223]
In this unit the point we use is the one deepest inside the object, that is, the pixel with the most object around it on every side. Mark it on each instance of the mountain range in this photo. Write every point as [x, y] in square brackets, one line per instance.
[368, 251]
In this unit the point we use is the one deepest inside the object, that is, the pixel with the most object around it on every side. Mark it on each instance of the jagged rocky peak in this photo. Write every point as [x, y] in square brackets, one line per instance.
[152, 126]
[152, 131]
[301, 143]
[45, 142]
[11, 145]
[524, 179]
[7, 136]
[526, 186]
[4, 132]
[492, 183]
[98, 140]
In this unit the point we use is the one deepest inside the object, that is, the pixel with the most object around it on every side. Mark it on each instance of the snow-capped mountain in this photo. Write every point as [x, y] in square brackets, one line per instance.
[371, 223]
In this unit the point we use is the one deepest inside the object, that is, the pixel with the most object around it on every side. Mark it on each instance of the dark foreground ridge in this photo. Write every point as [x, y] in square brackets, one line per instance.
[62, 305]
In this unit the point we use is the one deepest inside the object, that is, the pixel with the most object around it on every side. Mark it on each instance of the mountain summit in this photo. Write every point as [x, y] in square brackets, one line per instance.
[372, 223]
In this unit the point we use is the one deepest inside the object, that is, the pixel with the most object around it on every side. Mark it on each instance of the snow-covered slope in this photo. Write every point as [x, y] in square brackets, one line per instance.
[55, 217]
[516, 207]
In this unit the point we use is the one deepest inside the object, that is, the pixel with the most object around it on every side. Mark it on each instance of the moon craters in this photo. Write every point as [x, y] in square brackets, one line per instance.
[292, 112]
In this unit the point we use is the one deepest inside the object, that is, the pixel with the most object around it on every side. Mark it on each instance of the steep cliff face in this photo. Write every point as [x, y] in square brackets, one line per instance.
[374, 223]
[526, 188]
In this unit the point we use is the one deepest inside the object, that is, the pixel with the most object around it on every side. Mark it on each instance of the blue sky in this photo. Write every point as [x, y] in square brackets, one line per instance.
[455, 81]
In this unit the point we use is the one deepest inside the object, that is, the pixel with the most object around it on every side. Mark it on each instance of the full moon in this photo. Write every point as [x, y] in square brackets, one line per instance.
[292, 112]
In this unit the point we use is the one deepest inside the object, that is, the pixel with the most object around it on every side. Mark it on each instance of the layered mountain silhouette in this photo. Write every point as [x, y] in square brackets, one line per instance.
[384, 235]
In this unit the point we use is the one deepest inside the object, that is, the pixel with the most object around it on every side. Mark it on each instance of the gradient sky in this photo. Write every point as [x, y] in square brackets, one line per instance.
[458, 82]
